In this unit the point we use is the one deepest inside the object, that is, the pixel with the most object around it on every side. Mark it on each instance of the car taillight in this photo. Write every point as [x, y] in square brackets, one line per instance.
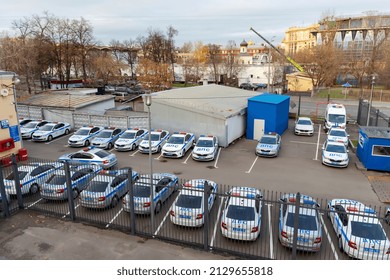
[172, 213]
[60, 191]
[199, 216]
[223, 225]
[255, 229]
[102, 198]
[284, 234]
[147, 204]
[105, 161]
[21, 185]
[318, 240]
[352, 245]
[388, 251]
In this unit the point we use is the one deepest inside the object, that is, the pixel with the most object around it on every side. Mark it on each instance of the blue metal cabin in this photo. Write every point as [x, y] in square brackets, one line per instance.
[267, 113]
[373, 148]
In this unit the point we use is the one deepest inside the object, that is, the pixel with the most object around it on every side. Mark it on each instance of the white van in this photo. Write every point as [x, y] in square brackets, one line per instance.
[335, 116]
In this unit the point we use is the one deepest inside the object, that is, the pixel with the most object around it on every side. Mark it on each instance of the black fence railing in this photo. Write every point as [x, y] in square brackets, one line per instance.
[371, 116]
[245, 222]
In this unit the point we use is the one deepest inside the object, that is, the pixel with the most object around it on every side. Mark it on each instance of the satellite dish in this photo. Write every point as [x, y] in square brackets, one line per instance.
[4, 92]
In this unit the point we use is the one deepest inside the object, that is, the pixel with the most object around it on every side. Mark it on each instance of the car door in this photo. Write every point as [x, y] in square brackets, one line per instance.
[188, 143]
[139, 136]
[58, 130]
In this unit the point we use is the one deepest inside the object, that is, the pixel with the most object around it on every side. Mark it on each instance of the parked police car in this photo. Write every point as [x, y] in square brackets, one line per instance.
[304, 126]
[24, 121]
[158, 139]
[30, 177]
[55, 188]
[359, 231]
[90, 155]
[106, 190]
[269, 145]
[241, 217]
[83, 136]
[178, 144]
[130, 139]
[29, 128]
[164, 185]
[337, 134]
[106, 138]
[50, 131]
[187, 209]
[309, 237]
[334, 154]
[206, 148]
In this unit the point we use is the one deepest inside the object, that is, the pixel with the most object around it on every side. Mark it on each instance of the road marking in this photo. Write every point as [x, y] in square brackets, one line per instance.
[318, 141]
[253, 164]
[34, 203]
[69, 212]
[216, 160]
[217, 223]
[157, 158]
[111, 149]
[133, 154]
[185, 162]
[300, 142]
[54, 140]
[113, 219]
[329, 239]
[271, 242]
[162, 222]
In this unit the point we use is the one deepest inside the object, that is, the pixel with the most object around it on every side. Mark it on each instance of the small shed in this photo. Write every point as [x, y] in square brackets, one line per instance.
[373, 148]
[267, 113]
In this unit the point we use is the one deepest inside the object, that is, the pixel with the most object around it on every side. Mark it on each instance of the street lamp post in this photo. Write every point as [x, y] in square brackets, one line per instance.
[269, 71]
[370, 104]
[148, 103]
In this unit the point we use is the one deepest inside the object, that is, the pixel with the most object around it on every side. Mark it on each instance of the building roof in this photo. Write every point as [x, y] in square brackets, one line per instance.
[376, 132]
[68, 101]
[269, 98]
[213, 100]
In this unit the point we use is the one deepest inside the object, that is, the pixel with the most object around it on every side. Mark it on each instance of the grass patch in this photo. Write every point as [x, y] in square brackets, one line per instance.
[182, 85]
[335, 93]
[354, 142]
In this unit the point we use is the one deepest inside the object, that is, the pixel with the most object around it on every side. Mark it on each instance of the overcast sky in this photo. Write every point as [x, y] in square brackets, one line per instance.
[209, 21]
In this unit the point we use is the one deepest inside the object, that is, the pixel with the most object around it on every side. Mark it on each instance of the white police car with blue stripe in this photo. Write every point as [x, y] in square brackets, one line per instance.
[51, 130]
[28, 129]
[158, 138]
[91, 155]
[206, 148]
[83, 136]
[130, 139]
[178, 144]
[106, 138]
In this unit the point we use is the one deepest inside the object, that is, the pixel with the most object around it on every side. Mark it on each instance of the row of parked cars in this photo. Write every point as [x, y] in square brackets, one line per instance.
[43, 130]
[358, 230]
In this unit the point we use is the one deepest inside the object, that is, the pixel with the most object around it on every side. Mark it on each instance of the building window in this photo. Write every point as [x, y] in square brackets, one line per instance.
[378, 150]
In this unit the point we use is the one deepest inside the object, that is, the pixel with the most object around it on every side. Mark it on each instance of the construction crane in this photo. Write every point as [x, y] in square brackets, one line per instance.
[289, 59]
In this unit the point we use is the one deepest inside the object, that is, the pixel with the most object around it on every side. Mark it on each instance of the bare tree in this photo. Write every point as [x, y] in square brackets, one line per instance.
[214, 59]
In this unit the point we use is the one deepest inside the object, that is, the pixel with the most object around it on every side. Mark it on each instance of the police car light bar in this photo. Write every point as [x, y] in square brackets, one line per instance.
[352, 209]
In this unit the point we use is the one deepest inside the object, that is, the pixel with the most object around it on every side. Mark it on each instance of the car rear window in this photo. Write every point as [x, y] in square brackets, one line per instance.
[11, 176]
[141, 191]
[102, 154]
[366, 230]
[57, 179]
[305, 122]
[306, 222]
[241, 213]
[339, 133]
[189, 201]
[97, 186]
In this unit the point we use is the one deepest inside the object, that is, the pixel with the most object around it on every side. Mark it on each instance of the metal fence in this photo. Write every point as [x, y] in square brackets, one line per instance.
[265, 234]
[371, 116]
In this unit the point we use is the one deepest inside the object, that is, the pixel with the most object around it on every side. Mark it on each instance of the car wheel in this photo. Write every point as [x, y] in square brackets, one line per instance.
[86, 143]
[75, 193]
[158, 207]
[341, 245]
[109, 146]
[133, 147]
[159, 149]
[49, 138]
[66, 131]
[114, 202]
[34, 189]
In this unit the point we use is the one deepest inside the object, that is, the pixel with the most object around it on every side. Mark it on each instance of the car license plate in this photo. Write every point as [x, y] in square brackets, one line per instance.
[88, 198]
[136, 204]
[239, 229]
[370, 250]
[301, 239]
[47, 191]
[185, 216]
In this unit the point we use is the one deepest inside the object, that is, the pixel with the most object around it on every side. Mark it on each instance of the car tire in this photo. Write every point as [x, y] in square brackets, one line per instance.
[34, 189]
[49, 138]
[109, 146]
[86, 144]
[75, 193]
[114, 202]
[159, 149]
[133, 147]
[66, 131]
[341, 244]
[158, 207]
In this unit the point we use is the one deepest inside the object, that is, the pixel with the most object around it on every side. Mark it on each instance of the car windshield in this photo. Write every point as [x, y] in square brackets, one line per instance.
[335, 148]
[56, 180]
[128, 135]
[141, 190]
[241, 213]
[154, 136]
[11, 176]
[334, 118]
[306, 222]
[304, 122]
[97, 186]
[268, 140]
[47, 127]
[340, 133]
[205, 143]
[189, 201]
[104, 134]
[83, 131]
[176, 140]
[102, 154]
[367, 230]
[30, 125]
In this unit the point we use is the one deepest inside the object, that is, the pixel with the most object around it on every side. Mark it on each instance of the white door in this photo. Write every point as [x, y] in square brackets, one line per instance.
[258, 128]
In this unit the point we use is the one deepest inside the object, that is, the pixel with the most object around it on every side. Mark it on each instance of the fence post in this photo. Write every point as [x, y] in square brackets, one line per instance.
[376, 117]
[206, 195]
[69, 191]
[17, 182]
[131, 201]
[5, 202]
[296, 224]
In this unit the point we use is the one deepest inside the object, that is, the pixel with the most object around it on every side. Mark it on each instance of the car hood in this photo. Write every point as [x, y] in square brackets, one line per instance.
[267, 146]
[173, 147]
[40, 132]
[335, 156]
[304, 127]
[124, 141]
[24, 130]
[101, 140]
[338, 139]
[145, 143]
[204, 150]
[78, 137]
